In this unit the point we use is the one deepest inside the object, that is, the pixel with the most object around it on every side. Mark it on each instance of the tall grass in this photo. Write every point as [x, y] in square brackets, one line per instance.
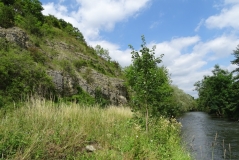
[43, 130]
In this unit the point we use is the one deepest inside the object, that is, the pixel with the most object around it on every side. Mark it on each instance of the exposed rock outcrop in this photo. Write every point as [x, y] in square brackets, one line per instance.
[15, 35]
[88, 79]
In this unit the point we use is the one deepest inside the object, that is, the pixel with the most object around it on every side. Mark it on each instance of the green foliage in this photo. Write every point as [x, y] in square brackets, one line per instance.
[4, 45]
[52, 21]
[100, 98]
[218, 94]
[236, 60]
[214, 91]
[183, 101]
[32, 24]
[44, 130]
[20, 75]
[14, 142]
[67, 67]
[81, 97]
[8, 2]
[149, 83]
[80, 63]
[37, 55]
[6, 16]
[31, 7]
[234, 101]
[104, 53]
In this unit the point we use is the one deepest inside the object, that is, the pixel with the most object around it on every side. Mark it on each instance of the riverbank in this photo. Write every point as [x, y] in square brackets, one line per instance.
[43, 130]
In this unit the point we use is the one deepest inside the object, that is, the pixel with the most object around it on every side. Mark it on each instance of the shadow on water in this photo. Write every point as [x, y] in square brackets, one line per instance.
[210, 138]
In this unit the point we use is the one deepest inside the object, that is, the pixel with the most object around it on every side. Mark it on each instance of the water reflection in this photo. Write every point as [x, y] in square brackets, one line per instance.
[210, 138]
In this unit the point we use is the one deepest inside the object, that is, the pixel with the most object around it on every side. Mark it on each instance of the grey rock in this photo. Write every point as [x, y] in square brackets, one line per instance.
[90, 148]
[15, 35]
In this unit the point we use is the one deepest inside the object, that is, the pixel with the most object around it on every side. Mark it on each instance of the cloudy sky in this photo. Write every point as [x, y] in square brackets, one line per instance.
[193, 35]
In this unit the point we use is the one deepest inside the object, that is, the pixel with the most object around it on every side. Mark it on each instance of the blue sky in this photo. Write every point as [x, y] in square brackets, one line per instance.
[194, 35]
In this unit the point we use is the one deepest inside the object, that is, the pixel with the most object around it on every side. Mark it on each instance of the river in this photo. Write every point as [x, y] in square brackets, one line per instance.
[210, 138]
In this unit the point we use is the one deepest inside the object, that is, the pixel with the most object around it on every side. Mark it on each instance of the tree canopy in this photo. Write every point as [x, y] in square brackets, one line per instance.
[218, 93]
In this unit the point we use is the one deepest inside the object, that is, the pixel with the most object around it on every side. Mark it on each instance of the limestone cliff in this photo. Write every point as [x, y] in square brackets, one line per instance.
[66, 83]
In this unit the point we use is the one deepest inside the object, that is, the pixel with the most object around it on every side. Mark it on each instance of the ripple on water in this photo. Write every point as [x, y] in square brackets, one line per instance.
[200, 131]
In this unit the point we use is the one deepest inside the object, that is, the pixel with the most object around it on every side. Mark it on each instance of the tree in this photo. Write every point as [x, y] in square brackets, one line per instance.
[236, 61]
[234, 105]
[146, 81]
[215, 91]
[104, 53]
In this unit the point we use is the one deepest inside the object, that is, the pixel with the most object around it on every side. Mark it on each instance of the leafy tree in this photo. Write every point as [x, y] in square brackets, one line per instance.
[32, 24]
[52, 21]
[236, 61]
[234, 105]
[215, 91]
[32, 7]
[144, 77]
[104, 53]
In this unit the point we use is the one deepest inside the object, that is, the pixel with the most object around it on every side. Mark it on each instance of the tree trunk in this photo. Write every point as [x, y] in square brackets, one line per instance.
[147, 118]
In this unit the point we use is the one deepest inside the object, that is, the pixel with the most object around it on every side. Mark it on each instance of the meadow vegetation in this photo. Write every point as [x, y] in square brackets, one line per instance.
[40, 129]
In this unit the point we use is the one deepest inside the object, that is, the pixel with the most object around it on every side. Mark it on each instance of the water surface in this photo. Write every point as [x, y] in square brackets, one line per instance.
[210, 138]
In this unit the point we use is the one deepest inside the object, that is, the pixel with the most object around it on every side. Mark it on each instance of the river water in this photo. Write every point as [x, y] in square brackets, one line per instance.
[210, 138]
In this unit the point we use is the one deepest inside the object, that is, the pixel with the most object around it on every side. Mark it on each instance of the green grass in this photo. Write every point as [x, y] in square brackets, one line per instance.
[43, 130]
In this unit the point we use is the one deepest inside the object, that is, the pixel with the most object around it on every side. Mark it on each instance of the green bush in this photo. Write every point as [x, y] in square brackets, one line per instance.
[20, 75]
[6, 16]
[37, 55]
[100, 98]
[80, 63]
[81, 97]
[67, 67]
[4, 45]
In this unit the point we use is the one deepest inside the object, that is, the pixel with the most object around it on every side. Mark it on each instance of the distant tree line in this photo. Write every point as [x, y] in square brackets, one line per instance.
[219, 93]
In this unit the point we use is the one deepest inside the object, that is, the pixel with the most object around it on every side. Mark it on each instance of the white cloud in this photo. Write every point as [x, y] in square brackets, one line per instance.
[121, 56]
[227, 18]
[219, 47]
[199, 25]
[93, 16]
[186, 56]
[154, 25]
[231, 1]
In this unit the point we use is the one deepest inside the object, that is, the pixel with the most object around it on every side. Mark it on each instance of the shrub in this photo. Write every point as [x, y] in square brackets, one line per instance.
[20, 75]
[6, 16]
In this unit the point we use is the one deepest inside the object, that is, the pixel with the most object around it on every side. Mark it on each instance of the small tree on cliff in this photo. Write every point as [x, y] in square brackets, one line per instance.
[144, 78]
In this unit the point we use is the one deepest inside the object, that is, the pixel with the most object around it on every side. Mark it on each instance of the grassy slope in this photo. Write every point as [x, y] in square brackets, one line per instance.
[44, 130]
[76, 53]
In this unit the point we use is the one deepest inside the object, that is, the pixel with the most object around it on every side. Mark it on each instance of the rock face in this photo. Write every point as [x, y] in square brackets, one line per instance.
[88, 79]
[112, 89]
[15, 35]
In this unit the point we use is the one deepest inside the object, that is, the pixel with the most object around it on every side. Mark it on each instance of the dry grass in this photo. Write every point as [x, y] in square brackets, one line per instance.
[44, 130]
